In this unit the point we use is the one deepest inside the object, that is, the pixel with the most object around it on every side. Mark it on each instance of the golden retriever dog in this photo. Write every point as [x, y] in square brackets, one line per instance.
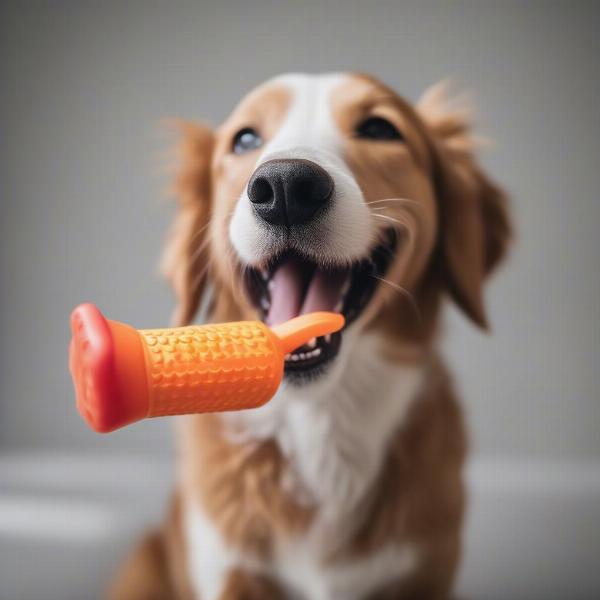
[327, 192]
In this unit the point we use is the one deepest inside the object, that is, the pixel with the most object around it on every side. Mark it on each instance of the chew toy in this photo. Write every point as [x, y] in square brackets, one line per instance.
[122, 375]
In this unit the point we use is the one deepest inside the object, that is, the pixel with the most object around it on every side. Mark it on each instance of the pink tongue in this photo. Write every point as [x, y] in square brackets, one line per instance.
[287, 291]
[324, 290]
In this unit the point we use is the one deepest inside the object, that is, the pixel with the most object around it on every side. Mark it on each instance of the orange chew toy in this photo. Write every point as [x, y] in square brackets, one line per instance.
[122, 375]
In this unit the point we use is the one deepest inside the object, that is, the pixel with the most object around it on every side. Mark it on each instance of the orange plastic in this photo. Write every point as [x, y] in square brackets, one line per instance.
[122, 375]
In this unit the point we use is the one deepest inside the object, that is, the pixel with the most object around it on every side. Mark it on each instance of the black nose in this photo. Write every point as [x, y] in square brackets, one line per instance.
[289, 191]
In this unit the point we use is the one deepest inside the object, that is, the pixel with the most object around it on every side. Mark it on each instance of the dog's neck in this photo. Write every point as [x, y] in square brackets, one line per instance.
[335, 434]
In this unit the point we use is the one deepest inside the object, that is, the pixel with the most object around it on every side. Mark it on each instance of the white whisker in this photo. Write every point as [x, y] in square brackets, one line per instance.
[404, 292]
[375, 214]
[200, 276]
[201, 247]
[399, 200]
[199, 232]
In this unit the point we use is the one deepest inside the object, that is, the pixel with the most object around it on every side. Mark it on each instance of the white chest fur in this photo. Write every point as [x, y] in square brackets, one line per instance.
[335, 434]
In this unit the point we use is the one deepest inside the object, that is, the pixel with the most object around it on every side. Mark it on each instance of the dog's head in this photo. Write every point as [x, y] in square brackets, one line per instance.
[333, 193]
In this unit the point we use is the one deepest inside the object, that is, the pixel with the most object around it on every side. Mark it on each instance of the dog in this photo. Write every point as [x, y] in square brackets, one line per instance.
[327, 192]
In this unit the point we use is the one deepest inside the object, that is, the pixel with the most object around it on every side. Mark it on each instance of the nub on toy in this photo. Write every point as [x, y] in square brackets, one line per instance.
[122, 375]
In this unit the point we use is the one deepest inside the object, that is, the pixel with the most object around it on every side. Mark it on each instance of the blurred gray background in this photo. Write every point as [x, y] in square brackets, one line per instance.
[84, 89]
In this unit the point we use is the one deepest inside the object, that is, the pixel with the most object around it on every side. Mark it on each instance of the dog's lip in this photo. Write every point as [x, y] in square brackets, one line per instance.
[350, 290]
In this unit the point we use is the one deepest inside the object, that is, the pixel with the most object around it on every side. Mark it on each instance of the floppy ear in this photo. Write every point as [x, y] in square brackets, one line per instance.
[474, 224]
[186, 253]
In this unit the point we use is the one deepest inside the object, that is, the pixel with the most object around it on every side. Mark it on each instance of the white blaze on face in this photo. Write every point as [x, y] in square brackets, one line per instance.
[345, 232]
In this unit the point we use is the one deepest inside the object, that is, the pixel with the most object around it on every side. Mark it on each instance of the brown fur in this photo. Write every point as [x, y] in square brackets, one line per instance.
[242, 585]
[420, 495]
[156, 569]
[463, 231]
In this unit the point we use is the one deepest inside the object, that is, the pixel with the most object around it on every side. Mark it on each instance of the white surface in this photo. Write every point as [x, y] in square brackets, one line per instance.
[533, 529]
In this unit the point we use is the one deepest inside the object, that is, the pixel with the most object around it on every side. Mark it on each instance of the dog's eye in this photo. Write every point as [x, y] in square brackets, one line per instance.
[377, 128]
[245, 140]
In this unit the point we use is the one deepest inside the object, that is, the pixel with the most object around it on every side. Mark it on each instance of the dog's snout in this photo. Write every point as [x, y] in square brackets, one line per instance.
[289, 191]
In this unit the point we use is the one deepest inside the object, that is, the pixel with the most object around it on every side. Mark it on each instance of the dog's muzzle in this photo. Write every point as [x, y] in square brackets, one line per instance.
[286, 192]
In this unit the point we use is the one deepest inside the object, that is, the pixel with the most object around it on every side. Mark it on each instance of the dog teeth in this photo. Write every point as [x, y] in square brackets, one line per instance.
[264, 274]
[313, 353]
[312, 343]
[328, 338]
[303, 355]
[270, 285]
[339, 306]
[264, 303]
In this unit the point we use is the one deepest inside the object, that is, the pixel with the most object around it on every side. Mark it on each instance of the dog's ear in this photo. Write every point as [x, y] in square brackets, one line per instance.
[186, 253]
[474, 223]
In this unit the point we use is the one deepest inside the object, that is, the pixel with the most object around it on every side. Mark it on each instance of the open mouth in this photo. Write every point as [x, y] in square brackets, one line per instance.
[292, 284]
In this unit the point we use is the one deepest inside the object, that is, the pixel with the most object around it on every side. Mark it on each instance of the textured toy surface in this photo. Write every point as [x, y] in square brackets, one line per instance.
[214, 367]
[122, 375]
